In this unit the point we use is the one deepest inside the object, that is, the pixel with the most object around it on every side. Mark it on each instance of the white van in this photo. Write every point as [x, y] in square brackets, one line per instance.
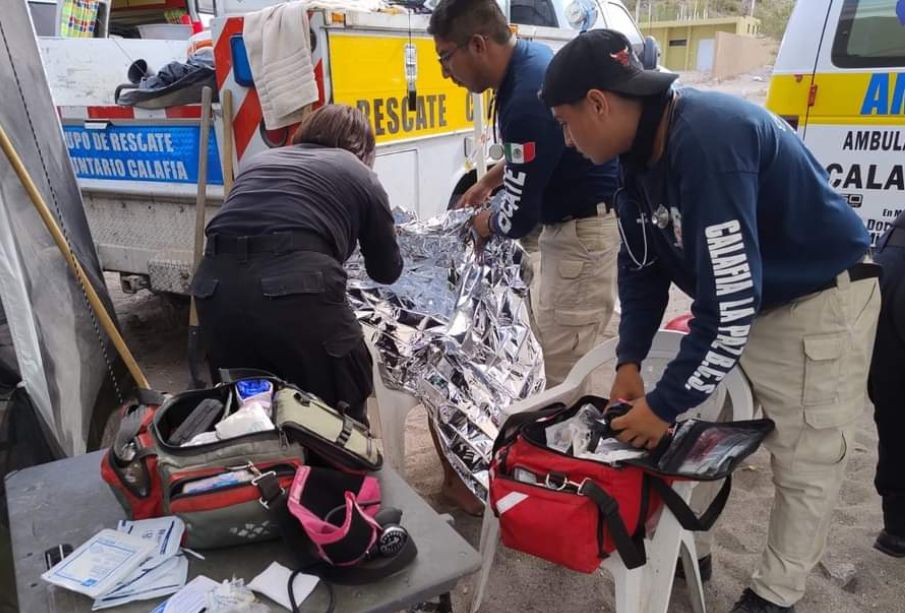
[839, 80]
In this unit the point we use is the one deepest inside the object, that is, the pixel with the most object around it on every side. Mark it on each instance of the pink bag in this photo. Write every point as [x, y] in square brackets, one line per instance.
[336, 511]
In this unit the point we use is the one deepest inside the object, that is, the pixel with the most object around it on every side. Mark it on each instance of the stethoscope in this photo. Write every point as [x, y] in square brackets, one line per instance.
[659, 218]
[660, 214]
[644, 262]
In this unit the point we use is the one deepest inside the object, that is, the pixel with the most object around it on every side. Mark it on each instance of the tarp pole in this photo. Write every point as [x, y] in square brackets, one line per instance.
[480, 157]
[228, 168]
[195, 351]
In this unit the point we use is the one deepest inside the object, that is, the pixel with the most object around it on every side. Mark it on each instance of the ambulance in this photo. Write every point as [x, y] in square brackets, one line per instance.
[839, 79]
[138, 168]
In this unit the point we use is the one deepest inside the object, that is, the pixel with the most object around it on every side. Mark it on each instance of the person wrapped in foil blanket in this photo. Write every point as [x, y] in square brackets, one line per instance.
[454, 331]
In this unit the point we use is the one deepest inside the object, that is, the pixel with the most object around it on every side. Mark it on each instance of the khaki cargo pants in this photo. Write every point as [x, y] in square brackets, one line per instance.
[574, 291]
[807, 363]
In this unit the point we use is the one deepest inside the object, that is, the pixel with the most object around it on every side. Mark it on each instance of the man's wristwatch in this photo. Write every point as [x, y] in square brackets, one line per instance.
[621, 364]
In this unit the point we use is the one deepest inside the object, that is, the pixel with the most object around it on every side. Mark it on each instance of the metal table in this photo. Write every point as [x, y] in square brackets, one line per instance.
[67, 502]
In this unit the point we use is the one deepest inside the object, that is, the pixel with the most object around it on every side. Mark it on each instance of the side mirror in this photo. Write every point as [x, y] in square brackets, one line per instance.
[650, 54]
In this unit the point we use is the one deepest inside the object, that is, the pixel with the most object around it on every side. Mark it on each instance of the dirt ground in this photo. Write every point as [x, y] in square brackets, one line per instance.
[852, 578]
[751, 86]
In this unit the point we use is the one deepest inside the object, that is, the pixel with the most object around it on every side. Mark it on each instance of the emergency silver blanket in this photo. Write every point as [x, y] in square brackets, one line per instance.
[454, 331]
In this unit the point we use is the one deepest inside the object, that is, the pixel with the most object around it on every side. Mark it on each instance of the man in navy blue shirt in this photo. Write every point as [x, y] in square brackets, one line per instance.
[544, 181]
[723, 199]
[887, 389]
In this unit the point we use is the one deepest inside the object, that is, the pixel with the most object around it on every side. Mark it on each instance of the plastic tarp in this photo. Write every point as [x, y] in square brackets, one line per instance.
[59, 352]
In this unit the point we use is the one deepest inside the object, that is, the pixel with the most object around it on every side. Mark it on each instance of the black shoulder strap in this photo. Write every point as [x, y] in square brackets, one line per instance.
[683, 512]
[632, 553]
[346, 432]
[149, 397]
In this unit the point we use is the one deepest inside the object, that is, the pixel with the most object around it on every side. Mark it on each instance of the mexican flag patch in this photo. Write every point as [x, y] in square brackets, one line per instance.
[519, 153]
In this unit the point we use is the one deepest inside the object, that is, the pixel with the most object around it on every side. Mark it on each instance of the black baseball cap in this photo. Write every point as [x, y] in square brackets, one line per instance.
[599, 59]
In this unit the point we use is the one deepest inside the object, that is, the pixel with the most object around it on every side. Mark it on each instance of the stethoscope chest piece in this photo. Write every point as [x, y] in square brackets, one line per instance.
[661, 217]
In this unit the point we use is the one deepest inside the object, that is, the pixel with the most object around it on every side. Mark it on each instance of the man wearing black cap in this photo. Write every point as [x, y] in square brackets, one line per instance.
[722, 198]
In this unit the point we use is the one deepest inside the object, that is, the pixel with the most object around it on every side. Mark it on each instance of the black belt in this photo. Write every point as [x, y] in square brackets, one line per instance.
[278, 242]
[585, 214]
[593, 212]
[858, 272]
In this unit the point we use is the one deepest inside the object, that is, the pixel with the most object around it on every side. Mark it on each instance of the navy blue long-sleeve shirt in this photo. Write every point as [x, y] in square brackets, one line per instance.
[752, 224]
[545, 181]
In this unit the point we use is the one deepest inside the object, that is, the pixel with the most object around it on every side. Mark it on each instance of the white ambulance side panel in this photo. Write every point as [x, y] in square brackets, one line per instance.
[865, 164]
[398, 173]
[861, 143]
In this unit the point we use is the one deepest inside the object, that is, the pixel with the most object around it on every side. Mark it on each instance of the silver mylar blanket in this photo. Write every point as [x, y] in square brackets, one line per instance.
[454, 331]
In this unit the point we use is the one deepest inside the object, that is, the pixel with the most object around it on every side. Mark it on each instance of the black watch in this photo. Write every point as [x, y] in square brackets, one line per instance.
[621, 364]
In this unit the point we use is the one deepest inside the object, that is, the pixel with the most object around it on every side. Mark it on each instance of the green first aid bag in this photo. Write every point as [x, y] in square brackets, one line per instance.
[213, 487]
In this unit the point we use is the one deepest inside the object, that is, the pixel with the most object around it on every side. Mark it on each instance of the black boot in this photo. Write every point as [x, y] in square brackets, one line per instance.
[752, 603]
[890, 544]
[705, 565]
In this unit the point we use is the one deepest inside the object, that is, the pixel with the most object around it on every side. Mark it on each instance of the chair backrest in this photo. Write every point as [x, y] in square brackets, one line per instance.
[664, 349]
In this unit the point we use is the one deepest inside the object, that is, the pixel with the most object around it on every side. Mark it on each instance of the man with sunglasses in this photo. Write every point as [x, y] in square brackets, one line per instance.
[544, 181]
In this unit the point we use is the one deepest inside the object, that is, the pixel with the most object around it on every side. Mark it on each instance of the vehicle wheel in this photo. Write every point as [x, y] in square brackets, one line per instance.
[453, 200]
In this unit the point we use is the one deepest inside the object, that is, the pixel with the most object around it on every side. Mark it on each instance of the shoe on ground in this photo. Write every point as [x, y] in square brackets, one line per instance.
[705, 565]
[890, 544]
[752, 603]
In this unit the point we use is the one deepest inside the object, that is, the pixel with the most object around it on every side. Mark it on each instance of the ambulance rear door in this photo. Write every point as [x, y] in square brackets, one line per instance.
[855, 122]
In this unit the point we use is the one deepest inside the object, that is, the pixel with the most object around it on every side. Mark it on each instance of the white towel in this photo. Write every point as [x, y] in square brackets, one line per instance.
[279, 51]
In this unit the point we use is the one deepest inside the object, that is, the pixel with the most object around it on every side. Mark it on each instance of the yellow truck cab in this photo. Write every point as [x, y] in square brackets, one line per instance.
[839, 79]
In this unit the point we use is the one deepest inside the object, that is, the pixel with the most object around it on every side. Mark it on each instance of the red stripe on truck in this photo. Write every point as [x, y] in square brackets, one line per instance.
[247, 121]
[184, 112]
[319, 79]
[223, 57]
[111, 112]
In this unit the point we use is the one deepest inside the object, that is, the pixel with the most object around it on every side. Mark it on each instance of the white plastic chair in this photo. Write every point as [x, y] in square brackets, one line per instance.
[646, 589]
[392, 408]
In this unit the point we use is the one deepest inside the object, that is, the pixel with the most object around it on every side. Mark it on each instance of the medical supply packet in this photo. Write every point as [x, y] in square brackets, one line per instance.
[100, 563]
[162, 573]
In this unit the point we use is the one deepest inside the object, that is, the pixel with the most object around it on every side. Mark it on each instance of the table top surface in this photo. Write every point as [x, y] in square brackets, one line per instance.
[67, 502]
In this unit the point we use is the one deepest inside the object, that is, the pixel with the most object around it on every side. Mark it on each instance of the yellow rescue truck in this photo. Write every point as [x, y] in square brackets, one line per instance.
[839, 80]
